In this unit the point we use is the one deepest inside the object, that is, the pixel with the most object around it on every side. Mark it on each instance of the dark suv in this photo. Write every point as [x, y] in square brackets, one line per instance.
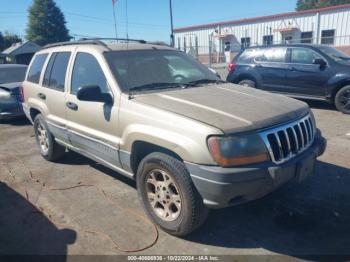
[301, 71]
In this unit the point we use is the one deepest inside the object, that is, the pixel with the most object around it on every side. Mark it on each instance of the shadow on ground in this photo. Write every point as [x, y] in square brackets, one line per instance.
[320, 105]
[25, 231]
[310, 219]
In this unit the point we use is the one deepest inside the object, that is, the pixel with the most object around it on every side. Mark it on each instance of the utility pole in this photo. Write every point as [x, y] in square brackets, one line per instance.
[172, 40]
[115, 19]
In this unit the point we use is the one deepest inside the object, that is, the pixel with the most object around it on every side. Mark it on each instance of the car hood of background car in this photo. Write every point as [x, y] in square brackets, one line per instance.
[229, 107]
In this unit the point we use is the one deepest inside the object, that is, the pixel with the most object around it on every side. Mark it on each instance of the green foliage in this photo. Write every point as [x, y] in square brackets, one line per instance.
[46, 23]
[7, 39]
[312, 4]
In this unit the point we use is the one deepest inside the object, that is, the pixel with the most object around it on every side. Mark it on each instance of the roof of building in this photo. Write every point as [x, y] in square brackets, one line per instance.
[262, 18]
[22, 48]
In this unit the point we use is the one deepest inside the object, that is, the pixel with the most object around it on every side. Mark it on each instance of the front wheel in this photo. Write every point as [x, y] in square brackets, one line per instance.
[168, 195]
[342, 100]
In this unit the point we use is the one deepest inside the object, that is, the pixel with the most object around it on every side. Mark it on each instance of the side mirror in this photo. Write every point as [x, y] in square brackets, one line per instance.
[93, 94]
[320, 62]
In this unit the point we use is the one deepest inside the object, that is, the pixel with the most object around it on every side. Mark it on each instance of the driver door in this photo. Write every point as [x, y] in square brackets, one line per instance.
[92, 126]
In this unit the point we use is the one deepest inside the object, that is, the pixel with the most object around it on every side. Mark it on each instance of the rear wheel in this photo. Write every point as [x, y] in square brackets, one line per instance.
[168, 195]
[247, 83]
[49, 149]
[342, 100]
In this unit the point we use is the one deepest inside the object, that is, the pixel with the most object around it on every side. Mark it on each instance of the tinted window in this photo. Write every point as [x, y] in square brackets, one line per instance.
[249, 55]
[328, 37]
[303, 56]
[275, 55]
[335, 54]
[87, 71]
[11, 75]
[55, 75]
[35, 70]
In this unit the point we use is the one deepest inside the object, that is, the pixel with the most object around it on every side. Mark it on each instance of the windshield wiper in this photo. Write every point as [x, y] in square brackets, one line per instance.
[155, 86]
[205, 81]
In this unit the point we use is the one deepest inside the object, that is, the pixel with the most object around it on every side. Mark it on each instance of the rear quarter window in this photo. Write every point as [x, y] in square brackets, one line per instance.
[36, 68]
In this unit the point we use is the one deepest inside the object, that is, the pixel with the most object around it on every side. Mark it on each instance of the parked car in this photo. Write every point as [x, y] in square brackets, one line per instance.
[11, 78]
[301, 71]
[156, 115]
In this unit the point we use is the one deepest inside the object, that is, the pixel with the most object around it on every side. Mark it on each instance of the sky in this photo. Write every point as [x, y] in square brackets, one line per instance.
[147, 19]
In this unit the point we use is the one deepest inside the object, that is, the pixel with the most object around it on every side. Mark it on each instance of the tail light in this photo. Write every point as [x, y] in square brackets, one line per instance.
[22, 92]
[232, 67]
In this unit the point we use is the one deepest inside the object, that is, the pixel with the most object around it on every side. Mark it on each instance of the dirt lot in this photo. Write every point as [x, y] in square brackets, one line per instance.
[92, 210]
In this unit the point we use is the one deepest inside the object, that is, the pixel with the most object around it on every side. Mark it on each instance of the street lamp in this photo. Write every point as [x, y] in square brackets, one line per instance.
[172, 40]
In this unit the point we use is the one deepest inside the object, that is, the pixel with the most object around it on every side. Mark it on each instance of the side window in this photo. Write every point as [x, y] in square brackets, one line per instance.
[303, 56]
[36, 67]
[87, 71]
[55, 75]
[249, 55]
[275, 55]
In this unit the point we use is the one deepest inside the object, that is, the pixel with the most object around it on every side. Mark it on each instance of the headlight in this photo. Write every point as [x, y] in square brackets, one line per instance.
[238, 151]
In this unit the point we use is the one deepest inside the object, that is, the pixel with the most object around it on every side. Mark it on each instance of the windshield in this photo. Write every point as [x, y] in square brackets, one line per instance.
[335, 54]
[156, 69]
[12, 75]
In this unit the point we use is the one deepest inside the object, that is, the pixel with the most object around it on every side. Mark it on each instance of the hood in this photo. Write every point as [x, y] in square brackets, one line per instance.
[228, 107]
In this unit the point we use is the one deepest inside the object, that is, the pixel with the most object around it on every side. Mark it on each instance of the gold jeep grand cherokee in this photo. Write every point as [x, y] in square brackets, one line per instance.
[191, 141]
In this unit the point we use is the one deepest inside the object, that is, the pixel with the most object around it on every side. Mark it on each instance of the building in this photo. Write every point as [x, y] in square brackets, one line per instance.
[220, 41]
[19, 53]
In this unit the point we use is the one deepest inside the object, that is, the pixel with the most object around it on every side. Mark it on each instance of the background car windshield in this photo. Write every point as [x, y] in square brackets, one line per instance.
[12, 75]
[335, 54]
[133, 69]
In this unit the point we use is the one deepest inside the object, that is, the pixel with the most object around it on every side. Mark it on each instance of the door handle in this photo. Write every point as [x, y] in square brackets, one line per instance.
[42, 96]
[292, 68]
[72, 106]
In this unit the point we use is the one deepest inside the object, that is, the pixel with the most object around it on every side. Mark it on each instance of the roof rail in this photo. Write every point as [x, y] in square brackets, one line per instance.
[80, 42]
[115, 39]
[93, 41]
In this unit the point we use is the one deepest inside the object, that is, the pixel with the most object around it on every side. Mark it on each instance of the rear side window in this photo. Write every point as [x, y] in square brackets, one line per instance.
[36, 67]
[11, 75]
[274, 55]
[55, 75]
[249, 55]
[87, 71]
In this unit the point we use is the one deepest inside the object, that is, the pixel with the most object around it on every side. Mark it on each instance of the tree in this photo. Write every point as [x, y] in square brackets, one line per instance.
[312, 4]
[46, 23]
[7, 39]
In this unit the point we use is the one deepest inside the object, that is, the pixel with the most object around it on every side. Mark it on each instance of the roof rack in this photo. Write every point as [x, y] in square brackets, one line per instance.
[93, 41]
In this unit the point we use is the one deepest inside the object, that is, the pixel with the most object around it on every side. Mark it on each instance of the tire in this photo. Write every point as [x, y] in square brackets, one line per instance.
[49, 149]
[192, 212]
[342, 100]
[247, 83]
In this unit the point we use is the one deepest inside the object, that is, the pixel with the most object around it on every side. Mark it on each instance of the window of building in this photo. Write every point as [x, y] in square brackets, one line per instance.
[303, 56]
[306, 37]
[327, 37]
[55, 75]
[36, 67]
[87, 71]
[268, 39]
[245, 42]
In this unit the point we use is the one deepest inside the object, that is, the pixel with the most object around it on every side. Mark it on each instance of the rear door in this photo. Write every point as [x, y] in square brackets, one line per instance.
[271, 67]
[53, 94]
[93, 126]
[303, 76]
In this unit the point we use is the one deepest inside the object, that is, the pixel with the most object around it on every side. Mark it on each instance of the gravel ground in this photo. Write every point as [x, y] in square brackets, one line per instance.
[101, 215]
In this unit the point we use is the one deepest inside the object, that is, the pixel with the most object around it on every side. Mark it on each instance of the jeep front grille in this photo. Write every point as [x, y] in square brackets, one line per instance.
[287, 141]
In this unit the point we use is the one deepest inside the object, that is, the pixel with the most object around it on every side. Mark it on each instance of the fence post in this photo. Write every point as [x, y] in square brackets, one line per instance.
[210, 50]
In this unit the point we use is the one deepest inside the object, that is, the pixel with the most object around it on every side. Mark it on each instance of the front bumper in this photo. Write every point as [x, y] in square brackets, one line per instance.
[223, 187]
